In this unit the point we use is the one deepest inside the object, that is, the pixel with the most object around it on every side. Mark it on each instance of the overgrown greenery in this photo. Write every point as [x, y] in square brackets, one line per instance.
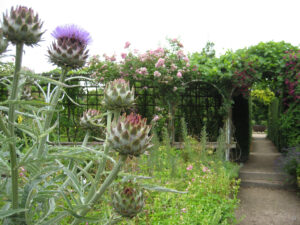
[210, 182]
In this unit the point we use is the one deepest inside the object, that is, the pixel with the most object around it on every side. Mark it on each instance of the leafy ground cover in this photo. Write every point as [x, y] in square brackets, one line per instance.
[210, 185]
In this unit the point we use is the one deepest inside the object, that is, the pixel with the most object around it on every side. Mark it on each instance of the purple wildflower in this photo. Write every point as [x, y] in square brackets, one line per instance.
[72, 31]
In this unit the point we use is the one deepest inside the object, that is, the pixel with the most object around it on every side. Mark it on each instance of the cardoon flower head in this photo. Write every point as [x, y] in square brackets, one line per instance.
[117, 95]
[91, 119]
[128, 199]
[22, 26]
[130, 135]
[69, 50]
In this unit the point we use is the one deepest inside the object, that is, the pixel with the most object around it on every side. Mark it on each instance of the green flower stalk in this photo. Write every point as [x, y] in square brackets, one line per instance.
[128, 199]
[67, 52]
[20, 27]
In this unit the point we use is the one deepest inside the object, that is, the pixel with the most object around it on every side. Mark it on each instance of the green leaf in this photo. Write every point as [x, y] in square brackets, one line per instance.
[73, 178]
[46, 79]
[50, 210]
[56, 219]
[9, 212]
[24, 102]
[161, 189]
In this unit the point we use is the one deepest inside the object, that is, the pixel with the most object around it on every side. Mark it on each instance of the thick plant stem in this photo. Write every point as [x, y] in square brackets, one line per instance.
[103, 162]
[113, 174]
[86, 138]
[106, 147]
[49, 115]
[11, 126]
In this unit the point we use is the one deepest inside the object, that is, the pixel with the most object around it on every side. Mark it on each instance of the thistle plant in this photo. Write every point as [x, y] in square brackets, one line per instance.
[67, 52]
[56, 181]
[21, 27]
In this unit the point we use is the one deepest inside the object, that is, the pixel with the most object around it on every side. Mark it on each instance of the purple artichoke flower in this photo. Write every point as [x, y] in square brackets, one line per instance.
[72, 32]
[69, 50]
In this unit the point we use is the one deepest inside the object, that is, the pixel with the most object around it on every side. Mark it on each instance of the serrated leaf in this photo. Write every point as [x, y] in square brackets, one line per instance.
[9, 212]
[73, 178]
[46, 79]
[50, 210]
[56, 219]
[48, 131]
[82, 218]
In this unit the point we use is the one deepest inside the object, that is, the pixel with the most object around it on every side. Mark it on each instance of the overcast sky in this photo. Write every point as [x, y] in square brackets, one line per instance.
[230, 24]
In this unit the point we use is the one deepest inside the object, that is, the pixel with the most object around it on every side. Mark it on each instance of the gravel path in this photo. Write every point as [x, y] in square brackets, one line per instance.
[263, 204]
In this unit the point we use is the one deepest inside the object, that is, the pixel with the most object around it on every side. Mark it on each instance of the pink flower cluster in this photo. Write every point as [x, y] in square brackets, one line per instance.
[127, 44]
[160, 63]
[110, 58]
[142, 71]
[157, 74]
[177, 42]
[190, 167]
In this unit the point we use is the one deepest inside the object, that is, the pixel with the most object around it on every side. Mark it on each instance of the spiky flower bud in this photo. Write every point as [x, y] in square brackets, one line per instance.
[69, 50]
[130, 135]
[128, 199]
[91, 119]
[22, 26]
[27, 93]
[117, 95]
[3, 42]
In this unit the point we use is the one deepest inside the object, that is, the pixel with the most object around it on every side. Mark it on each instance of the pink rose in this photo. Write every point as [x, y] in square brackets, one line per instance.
[127, 44]
[123, 55]
[157, 74]
[160, 62]
[155, 118]
[179, 74]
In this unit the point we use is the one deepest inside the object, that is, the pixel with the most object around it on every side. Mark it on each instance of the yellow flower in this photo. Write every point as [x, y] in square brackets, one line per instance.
[20, 119]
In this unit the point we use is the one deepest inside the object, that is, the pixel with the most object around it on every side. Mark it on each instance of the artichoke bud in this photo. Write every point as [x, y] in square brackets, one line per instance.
[69, 50]
[91, 119]
[130, 135]
[20, 26]
[117, 95]
[128, 199]
[3, 43]
[26, 95]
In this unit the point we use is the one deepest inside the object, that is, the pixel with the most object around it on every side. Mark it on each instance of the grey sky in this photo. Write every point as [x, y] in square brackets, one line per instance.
[230, 24]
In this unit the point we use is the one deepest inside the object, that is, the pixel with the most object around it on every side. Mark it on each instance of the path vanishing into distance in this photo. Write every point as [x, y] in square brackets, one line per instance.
[266, 197]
